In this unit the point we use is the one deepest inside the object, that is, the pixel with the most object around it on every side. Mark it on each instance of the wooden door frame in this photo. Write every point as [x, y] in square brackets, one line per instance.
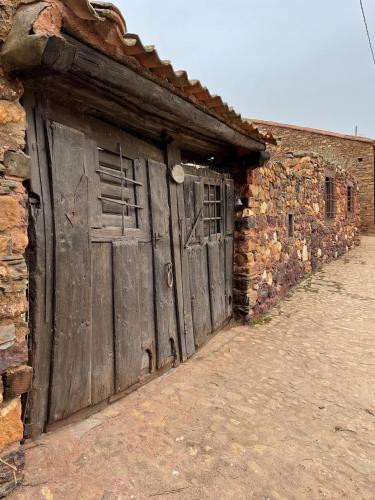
[183, 306]
[173, 156]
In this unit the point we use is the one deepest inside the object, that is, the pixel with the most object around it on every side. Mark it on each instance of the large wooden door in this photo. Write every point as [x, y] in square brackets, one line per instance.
[130, 273]
[103, 312]
[207, 249]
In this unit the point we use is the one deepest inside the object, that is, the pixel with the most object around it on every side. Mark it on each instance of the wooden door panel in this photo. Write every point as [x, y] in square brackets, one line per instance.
[102, 323]
[71, 372]
[166, 323]
[200, 294]
[40, 264]
[146, 303]
[216, 276]
[128, 313]
[188, 331]
[189, 202]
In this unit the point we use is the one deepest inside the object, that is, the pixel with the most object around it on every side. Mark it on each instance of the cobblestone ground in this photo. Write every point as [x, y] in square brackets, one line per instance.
[282, 410]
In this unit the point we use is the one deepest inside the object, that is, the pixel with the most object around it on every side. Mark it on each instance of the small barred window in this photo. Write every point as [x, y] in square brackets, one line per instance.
[212, 210]
[330, 197]
[350, 202]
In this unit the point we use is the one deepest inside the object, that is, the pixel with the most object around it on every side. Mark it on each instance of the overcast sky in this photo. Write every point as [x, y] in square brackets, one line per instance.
[293, 61]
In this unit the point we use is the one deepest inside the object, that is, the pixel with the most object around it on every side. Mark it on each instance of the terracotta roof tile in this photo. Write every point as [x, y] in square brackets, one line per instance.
[101, 25]
[312, 130]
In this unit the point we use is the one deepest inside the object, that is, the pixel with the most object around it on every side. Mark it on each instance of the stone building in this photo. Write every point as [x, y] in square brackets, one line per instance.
[288, 226]
[353, 153]
[119, 178]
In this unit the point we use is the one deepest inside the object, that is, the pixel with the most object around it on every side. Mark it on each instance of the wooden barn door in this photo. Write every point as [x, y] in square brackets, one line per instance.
[71, 376]
[103, 301]
[130, 272]
[206, 214]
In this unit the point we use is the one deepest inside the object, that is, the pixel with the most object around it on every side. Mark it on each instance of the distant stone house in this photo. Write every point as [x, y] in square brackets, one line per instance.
[350, 152]
[138, 215]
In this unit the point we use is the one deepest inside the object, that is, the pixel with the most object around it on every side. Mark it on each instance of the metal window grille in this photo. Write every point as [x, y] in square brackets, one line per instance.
[330, 198]
[350, 198]
[118, 188]
[212, 209]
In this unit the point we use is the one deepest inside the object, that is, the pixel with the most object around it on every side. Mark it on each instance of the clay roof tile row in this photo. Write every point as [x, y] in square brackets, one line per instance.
[93, 21]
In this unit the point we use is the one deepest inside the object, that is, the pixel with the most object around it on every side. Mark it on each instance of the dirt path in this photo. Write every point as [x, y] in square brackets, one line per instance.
[283, 410]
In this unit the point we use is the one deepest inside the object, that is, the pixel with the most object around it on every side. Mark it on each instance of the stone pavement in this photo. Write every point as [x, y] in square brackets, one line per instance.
[281, 410]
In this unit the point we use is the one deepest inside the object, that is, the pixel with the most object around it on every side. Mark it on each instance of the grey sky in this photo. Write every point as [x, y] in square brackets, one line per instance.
[294, 61]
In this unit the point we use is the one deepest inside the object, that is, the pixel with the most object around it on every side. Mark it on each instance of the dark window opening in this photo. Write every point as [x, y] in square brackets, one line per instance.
[212, 210]
[291, 225]
[330, 198]
[350, 200]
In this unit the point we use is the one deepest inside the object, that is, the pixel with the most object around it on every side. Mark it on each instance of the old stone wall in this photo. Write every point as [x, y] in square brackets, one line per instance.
[282, 233]
[15, 375]
[354, 153]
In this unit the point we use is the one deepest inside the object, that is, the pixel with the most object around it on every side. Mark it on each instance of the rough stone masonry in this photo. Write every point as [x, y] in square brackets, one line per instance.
[15, 375]
[356, 154]
[282, 232]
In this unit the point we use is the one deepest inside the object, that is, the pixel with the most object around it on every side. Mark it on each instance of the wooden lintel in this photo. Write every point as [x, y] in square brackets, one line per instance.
[71, 57]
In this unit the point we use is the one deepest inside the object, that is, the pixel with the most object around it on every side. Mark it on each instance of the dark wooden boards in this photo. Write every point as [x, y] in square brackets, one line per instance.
[216, 277]
[165, 311]
[146, 303]
[71, 373]
[40, 262]
[102, 357]
[173, 157]
[185, 274]
[128, 314]
[208, 267]
[114, 78]
[118, 304]
[200, 293]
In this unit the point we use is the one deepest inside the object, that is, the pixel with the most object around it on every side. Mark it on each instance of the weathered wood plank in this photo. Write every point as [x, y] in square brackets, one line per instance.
[148, 95]
[102, 361]
[147, 312]
[216, 267]
[113, 220]
[141, 199]
[40, 256]
[71, 374]
[188, 318]
[114, 191]
[189, 203]
[200, 293]
[128, 312]
[165, 308]
[107, 136]
[91, 166]
[198, 205]
[173, 155]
